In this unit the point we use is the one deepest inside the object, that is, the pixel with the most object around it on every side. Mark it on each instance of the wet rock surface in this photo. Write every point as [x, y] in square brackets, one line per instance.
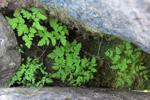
[70, 93]
[10, 58]
[129, 19]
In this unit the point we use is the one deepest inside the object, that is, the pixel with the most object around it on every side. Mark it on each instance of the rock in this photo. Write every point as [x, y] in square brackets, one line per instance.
[10, 58]
[129, 19]
[70, 93]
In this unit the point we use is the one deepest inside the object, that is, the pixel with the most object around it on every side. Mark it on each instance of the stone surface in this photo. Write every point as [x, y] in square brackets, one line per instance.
[129, 19]
[58, 93]
[10, 58]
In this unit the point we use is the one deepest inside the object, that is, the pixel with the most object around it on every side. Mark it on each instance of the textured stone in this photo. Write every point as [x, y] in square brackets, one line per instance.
[129, 19]
[58, 93]
[10, 58]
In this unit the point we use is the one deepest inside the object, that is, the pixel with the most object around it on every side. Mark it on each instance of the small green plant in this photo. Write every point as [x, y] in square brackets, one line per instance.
[32, 74]
[19, 48]
[29, 32]
[127, 63]
[70, 66]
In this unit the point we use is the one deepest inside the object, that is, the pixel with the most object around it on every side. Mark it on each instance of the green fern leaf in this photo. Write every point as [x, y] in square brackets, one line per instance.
[13, 22]
[37, 26]
[93, 60]
[21, 20]
[128, 61]
[32, 30]
[116, 58]
[16, 14]
[93, 70]
[56, 34]
[63, 40]
[56, 67]
[34, 10]
[83, 61]
[107, 53]
[48, 80]
[69, 60]
[26, 14]
[31, 35]
[121, 47]
[128, 81]
[111, 54]
[60, 29]
[58, 52]
[142, 67]
[124, 67]
[128, 52]
[120, 73]
[51, 55]
[41, 42]
[118, 51]
[22, 28]
[25, 37]
[128, 45]
[53, 41]
[62, 33]
[123, 60]
[53, 24]
[34, 17]
[28, 44]
[65, 30]
[119, 82]
[115, 67]
[40, 34]
[146, 78]
[47, 41]
[41, 16]
[143, 73]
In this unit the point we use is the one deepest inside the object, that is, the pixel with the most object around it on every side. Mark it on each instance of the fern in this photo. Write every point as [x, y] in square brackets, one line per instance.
[27, 74]
[70, 66]
[125, 62]
[60, 31]
[26, 14]
[28, 33]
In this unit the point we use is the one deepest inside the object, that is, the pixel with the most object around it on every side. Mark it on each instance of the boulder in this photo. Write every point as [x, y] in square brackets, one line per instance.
[10, 58]
[70, 93]
[129, 19]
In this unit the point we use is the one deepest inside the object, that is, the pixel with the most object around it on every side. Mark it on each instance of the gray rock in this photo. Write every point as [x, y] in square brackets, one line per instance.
[129, 19]
[10, 58]
[62, 93]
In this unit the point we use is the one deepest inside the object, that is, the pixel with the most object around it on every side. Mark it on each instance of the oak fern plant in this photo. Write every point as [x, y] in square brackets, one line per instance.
[70, 67]
[32, 73]
[35, 17]
[127, 64]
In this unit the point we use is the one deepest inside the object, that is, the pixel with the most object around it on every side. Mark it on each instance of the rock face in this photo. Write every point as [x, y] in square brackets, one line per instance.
[129, 19]
[10, 58]
[58, 93]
